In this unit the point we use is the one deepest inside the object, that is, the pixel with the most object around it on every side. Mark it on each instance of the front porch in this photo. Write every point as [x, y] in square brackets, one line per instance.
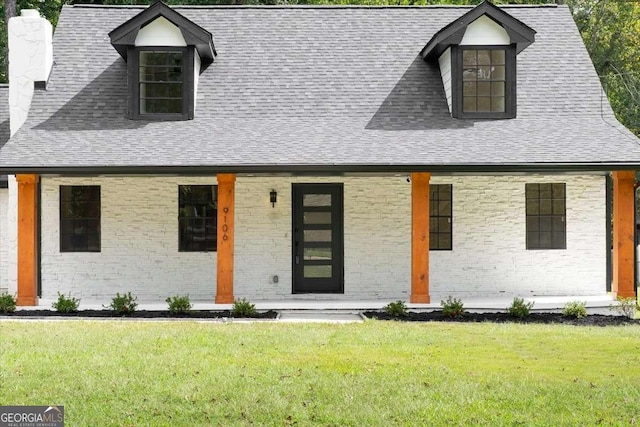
[385, 253]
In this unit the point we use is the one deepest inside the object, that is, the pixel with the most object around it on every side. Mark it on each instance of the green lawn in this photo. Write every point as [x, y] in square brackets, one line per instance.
[375, 373]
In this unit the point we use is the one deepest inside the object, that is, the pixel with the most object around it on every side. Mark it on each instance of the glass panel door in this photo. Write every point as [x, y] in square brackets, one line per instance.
[317, 238]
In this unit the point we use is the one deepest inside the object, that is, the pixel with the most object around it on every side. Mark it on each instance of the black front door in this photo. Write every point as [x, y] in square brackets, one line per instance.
[318, 238]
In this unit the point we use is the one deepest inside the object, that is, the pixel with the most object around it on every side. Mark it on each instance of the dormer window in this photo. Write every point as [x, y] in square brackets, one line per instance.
[162, 87]
[485, 82]
[477, 58]
[165, 54]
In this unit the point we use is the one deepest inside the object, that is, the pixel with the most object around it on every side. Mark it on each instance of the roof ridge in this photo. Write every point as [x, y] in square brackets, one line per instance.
[315, 6]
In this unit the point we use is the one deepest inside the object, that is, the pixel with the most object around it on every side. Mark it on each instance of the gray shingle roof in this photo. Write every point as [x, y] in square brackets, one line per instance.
[340, 87]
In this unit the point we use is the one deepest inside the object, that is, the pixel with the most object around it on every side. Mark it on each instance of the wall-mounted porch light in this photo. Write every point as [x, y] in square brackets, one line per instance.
[273, 198]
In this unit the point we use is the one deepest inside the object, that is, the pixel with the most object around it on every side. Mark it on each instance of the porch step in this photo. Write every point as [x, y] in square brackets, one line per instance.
[320, 316]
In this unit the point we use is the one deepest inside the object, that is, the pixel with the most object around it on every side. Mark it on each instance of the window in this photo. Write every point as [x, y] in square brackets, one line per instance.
[79, 218]
[440, 217]
[486, 82]
[545, 216]
[162, 83]
[198, 218]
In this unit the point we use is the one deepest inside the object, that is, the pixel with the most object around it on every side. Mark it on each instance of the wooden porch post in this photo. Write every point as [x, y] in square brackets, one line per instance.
[420, 237]
[27, 239]
[623, 234]
[226, 204]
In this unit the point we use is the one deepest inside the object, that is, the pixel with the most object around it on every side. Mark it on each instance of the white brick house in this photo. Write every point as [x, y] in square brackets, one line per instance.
[327, 164]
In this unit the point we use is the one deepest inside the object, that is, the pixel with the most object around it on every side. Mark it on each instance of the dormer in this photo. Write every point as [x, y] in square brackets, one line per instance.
[476, 54]
[165, 54]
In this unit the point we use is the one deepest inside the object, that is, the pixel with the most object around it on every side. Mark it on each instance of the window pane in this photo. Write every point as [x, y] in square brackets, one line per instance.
[484, 72]
[317, 271]
[433, 223]
[533, 223]
[469, 57]
[484, 104]
[558, 241]
[498, 73]
[484, 89]
[533, 207]
[497, 104]
[484, 57]
[545, 207]
[497, 57]
[469, 89]
[317, 253]
[469, 104]
[443, 224]
[444, 208]
[531, 190]
[545, 223]
[317, 235]
[558, 190]
[545, 239]
[558, 206]
[317, 217]
[558, 224]
[444, 241]
[497, 88]
[316, 200]
[444, 191]
[533, 242]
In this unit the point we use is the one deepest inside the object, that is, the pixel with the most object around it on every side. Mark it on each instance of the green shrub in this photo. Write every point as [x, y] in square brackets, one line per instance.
[123, 304]
[7, 303]
[179, 304]
[575, 309]
[66, 305]
[627, 307]
[396, 309]
[243, 308]
[452, 307]
[519, 308]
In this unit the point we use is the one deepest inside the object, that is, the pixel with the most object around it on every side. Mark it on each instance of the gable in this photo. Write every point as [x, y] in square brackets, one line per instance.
[485, 31]
[160, 32]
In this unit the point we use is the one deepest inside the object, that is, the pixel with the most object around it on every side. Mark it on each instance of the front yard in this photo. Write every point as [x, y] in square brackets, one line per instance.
[122, 373]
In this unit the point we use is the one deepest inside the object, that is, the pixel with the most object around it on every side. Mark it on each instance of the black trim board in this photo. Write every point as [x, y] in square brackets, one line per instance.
[298, 169]
[124, 36]
[519, 33]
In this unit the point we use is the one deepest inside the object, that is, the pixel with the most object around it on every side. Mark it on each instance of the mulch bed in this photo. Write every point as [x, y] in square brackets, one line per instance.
[140, 314]
[540, 318]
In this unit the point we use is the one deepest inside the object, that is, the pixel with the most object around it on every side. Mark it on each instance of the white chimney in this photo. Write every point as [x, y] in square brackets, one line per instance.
[30, 60]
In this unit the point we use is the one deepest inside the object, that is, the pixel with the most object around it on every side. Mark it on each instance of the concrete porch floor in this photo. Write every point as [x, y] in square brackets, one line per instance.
[598, 304]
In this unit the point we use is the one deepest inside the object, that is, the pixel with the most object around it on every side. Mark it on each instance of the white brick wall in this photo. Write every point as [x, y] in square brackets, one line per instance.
[4, 240]
[140, 239]
[139, 244]
[489, 241]
[377, 244]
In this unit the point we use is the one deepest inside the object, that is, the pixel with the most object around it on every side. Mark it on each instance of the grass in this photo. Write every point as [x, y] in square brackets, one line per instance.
[376, 373]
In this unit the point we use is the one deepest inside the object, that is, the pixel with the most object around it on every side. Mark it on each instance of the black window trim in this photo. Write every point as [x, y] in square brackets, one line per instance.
[563, 216]
[450, 216]
[180, 218]
[457, 83]
[61, 219]
[188, 89]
